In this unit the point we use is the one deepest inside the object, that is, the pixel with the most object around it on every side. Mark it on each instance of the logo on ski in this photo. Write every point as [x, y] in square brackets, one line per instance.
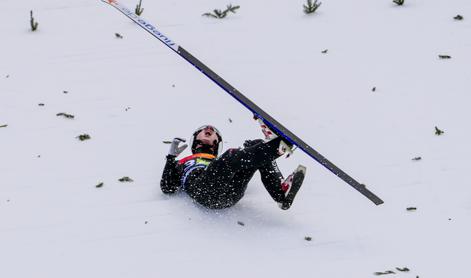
[144, 24]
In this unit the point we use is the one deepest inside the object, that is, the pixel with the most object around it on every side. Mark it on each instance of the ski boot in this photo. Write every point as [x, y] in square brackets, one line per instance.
[291, 186]
[284, 148]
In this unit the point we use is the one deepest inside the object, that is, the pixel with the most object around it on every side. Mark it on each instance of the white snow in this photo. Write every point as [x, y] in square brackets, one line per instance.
[133, 93]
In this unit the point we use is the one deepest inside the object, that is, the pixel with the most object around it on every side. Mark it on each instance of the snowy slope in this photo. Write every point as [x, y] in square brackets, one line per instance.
[133, 93]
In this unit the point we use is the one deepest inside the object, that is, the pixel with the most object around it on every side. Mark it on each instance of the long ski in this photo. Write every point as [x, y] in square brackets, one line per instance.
[257, 111]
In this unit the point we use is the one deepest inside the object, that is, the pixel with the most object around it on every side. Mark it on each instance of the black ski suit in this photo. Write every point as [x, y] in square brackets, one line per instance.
[221, 182]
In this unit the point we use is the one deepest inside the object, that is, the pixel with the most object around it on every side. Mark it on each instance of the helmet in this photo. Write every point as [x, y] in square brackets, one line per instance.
[194, 142]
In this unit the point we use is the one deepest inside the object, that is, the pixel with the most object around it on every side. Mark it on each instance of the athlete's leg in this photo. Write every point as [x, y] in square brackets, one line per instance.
[270, 174]
[224, 181]
[219, 185]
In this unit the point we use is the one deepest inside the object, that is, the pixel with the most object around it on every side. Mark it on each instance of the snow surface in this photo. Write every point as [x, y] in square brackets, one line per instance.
[133, 93]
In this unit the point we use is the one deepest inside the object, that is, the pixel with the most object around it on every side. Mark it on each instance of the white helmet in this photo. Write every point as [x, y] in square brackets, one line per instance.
[194, 142]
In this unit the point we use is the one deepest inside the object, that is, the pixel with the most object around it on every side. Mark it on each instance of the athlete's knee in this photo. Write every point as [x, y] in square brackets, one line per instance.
[229, 155]
[251, 143]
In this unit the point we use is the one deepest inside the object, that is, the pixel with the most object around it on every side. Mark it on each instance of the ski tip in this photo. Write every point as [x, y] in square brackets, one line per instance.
[370, 195]
[379, 202]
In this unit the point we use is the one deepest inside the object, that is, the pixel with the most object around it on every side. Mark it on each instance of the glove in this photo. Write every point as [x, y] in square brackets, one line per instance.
[175, 149]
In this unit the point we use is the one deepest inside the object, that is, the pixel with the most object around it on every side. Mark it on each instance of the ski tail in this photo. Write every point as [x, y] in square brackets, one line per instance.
[293, 183]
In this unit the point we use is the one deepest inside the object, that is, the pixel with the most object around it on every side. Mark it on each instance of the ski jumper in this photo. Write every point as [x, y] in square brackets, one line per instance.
[221, 182]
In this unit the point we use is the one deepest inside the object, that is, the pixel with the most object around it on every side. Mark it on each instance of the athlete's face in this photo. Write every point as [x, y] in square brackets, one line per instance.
[207, 136]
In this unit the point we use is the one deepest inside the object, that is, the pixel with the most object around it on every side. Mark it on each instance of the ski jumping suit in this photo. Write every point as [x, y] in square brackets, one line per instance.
[221, 182]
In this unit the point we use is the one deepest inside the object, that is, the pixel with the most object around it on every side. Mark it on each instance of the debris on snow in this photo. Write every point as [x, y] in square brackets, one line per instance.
[99, 185]
[34, 24]
[126, 179]
[65, 115]
[385, 272]
[399, 2]
[311, 7]
[139, 10]
[222, 14]
[118, 36]
[404, 269]
[417, 158]
[411, 208]
[307, 238]
[438, 131]
[458, 17]
[83, 137]
[241, 223]
[444, 56]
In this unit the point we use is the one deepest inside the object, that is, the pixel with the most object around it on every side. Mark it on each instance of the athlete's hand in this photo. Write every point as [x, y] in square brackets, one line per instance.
[175, 149]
